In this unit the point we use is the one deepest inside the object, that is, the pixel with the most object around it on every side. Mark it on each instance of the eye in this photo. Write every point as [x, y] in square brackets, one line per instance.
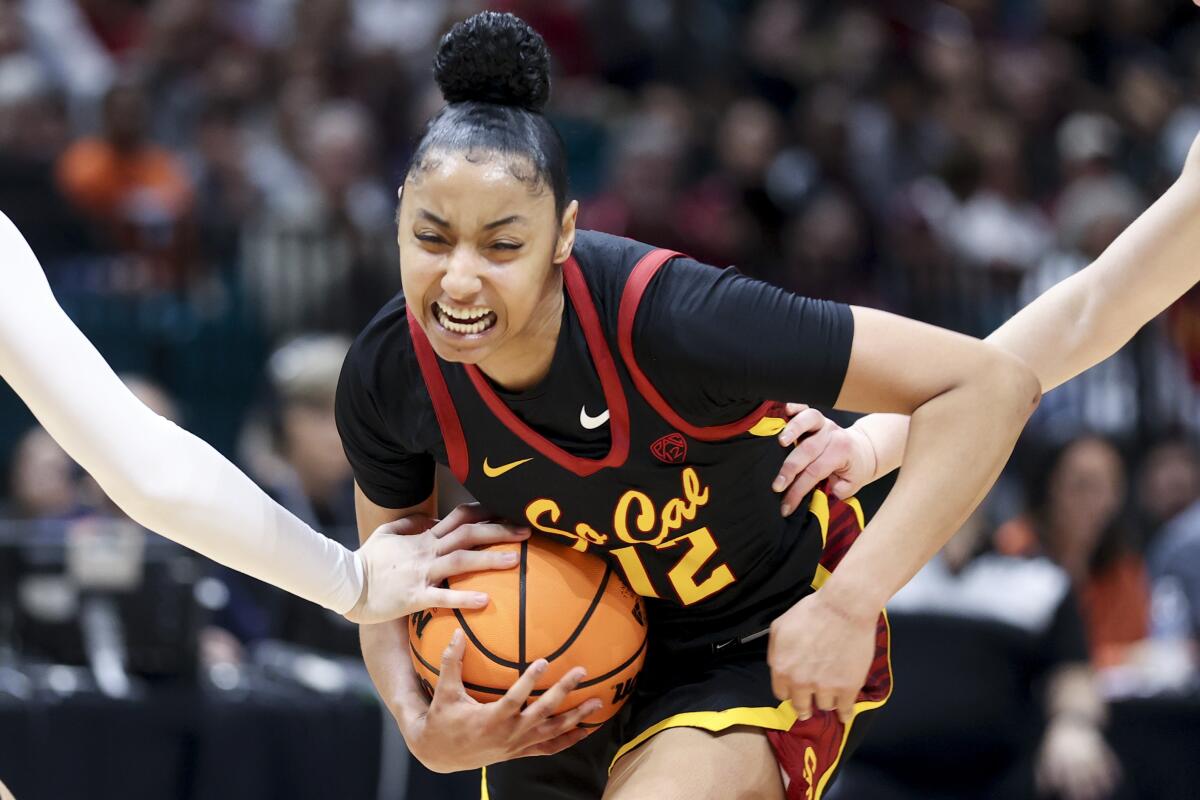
[506, 246]
[430, 238]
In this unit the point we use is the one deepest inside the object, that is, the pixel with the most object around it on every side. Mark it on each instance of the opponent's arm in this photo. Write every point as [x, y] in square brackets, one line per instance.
[1070, 328]
[454, 732]
[165, 478]
[1088, 316]
[968, 402]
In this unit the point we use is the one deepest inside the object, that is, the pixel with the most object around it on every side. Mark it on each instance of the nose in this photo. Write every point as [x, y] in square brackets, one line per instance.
[461, 280]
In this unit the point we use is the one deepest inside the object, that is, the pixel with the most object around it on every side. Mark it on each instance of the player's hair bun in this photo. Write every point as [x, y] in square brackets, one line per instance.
[494, 58]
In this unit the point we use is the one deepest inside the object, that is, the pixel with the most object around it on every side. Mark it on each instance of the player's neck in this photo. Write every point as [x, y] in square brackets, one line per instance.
[524, 361]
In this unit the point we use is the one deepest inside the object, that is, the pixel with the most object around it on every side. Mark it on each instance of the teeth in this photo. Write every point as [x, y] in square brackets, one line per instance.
[464, 315]
[454, 322]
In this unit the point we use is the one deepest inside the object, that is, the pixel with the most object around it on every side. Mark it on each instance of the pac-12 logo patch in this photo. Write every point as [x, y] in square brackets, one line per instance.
[670, 449]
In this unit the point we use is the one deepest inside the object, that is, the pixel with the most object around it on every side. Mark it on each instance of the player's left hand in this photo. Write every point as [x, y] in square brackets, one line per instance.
[1075, 763]
[819, 656]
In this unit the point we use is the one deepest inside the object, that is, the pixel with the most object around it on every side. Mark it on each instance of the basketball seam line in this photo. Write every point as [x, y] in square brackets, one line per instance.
[504, 662]
[536, 692]
[608, 568]
[521, 607]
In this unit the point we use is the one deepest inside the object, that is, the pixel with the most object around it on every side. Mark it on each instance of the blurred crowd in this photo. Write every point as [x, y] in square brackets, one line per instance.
[211, 185]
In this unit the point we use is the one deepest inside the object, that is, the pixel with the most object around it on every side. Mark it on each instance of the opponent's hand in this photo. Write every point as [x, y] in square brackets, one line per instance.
[459, 733]
[823, 450]
[1075, 763]
[406, 561]
[819, 656]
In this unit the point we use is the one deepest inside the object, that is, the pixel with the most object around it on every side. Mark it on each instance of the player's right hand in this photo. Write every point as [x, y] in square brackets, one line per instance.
[823, 450]
[460, 733]
[406, 561]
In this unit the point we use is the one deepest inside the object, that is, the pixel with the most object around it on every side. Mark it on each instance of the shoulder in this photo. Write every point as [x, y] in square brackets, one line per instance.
[382, 378]
[606, 262]
[383, 344]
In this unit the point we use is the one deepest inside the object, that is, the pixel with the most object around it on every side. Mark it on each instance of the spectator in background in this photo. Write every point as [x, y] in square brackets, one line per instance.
[226, 195]
[43, 480]
[1076, 517]
[1005, 632]
[136, 194]
[1171, 495]
[33, 133]
[1168, 483]
[325, 257]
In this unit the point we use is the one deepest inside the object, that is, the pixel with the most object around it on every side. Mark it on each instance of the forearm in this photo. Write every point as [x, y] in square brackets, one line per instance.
[165, 478]
[957, 444]
[1090, 315]
[385, 653]
[1071, 695]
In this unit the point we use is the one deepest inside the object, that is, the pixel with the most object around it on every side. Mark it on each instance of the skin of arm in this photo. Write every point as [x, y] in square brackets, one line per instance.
[1087, 317]
[968, 402]
[385, 644]
[1073, 760]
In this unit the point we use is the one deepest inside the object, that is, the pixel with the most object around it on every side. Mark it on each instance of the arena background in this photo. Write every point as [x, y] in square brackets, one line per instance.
[945, 160]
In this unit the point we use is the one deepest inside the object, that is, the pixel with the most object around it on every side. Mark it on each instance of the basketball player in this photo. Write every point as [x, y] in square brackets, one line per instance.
[173, 483]
[614, 396]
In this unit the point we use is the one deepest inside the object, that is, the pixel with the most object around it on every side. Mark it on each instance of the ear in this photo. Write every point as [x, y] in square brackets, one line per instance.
[399, 199]
[566, 233]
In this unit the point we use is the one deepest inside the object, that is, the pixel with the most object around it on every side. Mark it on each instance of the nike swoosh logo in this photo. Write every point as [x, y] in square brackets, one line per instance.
[590, 422]
[496, 472]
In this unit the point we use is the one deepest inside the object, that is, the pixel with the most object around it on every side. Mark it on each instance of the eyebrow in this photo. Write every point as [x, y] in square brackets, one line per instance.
[501, 222]
[436, 220]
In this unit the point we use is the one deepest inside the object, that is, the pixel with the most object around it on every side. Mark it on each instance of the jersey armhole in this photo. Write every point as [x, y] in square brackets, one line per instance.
[443, 405]
[631, 298]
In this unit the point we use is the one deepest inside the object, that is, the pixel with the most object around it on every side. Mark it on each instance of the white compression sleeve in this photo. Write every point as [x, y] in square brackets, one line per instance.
[165, 478]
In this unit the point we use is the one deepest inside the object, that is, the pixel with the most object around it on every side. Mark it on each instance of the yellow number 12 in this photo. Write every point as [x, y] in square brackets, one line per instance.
[702, 547]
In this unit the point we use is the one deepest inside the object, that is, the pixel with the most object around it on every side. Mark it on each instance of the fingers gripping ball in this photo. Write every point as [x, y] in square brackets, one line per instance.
[567, 607]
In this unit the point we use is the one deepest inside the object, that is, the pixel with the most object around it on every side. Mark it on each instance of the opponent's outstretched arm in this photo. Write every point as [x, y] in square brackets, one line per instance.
[170, 481]
[1071, 327]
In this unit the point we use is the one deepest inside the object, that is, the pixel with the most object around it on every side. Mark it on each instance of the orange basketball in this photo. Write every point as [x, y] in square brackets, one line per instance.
[570, 608]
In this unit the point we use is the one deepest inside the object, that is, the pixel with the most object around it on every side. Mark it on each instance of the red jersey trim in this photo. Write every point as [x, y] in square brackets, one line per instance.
[610, 382]
[631, 297]
[443, 405]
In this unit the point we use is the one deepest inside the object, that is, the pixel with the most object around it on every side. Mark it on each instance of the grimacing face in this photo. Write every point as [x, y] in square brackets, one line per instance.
[480, 253]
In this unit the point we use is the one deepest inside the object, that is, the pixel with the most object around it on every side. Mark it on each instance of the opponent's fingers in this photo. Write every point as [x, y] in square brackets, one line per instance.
[805, 421]
[546, 705]
[801, 458]
[825, 699]
[843, 489]
[461, 515]
[514, 699]
[463, 561]
[565, 722]
[802, 702]
[795, 408]
[556, 745]
[437, 597]
[479, 534]
[450, 686]
[844, 701]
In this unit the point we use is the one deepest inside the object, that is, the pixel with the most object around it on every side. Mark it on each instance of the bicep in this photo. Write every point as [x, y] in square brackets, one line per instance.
[897, 364]
[371, 515]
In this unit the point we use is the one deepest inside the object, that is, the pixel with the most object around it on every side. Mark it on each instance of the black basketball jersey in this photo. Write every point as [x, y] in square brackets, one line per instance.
[686, 513]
